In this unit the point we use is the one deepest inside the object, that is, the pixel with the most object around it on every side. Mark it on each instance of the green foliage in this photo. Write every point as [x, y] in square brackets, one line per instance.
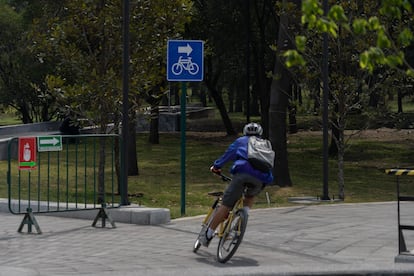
[361, 42]
[405, 37]
[311, 10]
[152, 24]
[374, 23]
[10, 20]
[234, 30]
[85, 41]
[18, 69]
[410, 72]
[375, 43]
[314, 19]
[392, 29]
[359, 26]
[300, 42]
[337, 14]
[395, 8]
[293, 58]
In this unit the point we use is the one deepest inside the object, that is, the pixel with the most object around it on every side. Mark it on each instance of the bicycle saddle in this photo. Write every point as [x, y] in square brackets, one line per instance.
[215, 193]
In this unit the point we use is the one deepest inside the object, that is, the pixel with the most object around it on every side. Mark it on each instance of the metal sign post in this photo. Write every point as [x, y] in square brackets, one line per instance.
[183, 144]
[185, 60]
[125, 102]
[325, 119]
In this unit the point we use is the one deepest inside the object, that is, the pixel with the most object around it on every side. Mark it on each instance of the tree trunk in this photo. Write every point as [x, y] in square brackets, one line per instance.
[231, 99]
[254, 104]
[293, 127]
[292, 106]
[238, 105]
[211, 82]
[316, 95]
[174, 89]
[279, 100]
[341, 173]
[277, 124]
[25, 114]
[333, 147]
[117, 152]
[223, 112]
[154, 137]
[399, 100]
[132, 148]
[265, 18]
[203, 97]
[101, 171]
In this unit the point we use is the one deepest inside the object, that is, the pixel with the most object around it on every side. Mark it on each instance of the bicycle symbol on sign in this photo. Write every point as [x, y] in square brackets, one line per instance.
[185, 64]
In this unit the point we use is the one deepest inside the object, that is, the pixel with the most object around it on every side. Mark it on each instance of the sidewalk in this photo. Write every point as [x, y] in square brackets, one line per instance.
[339, 239]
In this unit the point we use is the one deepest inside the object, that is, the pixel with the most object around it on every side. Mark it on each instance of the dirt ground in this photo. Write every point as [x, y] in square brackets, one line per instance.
[388, 134]
[381, 134]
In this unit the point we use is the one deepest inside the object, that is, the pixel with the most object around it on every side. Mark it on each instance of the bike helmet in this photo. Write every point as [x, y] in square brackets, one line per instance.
[252, 129]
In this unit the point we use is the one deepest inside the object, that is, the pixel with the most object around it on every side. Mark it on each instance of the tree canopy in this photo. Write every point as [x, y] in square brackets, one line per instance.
[84, 41]
[367, 46]
[18, 67]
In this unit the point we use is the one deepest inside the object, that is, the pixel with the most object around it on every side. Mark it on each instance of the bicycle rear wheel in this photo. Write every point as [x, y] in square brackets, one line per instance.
[232, 236]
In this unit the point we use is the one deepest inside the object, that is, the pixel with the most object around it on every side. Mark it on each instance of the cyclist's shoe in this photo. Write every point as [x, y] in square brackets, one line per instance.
[204, 240]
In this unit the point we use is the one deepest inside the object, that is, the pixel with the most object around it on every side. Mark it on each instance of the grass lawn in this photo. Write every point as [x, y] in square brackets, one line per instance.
[367, 156]
[365, 180]
[8, 119]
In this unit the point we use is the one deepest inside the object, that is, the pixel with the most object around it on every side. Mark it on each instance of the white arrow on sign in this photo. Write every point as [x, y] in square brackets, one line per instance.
[54, 141]
[185, 49]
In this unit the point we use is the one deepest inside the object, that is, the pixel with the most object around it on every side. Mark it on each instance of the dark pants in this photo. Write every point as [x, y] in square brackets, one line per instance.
[235, 189]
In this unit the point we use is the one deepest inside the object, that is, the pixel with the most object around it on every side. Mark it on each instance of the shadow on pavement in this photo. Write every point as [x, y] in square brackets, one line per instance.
[236, 261]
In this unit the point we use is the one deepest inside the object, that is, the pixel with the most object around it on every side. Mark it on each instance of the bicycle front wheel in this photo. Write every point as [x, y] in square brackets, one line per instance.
[205, 225]
[197, 242]
[232, 236]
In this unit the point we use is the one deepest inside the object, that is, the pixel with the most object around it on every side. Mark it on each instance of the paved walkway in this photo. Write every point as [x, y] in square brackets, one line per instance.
[340, 239]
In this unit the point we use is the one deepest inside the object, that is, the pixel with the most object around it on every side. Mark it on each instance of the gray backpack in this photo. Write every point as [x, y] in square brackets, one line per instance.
[260, 154]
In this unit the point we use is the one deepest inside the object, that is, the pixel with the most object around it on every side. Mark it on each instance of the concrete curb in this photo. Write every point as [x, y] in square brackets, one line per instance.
[133, 214]
[124, 214]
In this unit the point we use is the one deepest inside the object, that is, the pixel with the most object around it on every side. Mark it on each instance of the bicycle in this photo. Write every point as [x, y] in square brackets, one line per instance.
[230, 231]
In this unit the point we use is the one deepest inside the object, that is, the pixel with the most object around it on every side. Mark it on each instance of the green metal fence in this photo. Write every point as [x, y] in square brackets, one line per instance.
[60, 173]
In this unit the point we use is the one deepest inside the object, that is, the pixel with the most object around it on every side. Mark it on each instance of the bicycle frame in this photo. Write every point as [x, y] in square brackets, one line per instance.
[221, 227]
[211, 210]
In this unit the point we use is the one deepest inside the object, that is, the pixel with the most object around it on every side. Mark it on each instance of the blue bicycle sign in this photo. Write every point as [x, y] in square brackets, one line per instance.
[185, 60]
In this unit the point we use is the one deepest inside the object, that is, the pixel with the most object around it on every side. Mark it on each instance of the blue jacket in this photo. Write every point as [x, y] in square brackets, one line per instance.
[237, 152]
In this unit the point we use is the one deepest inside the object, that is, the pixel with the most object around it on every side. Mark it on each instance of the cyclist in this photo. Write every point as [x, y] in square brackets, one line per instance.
[244, 175]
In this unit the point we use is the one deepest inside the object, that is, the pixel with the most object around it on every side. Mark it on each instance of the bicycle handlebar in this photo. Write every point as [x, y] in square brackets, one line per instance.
[223, 177]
